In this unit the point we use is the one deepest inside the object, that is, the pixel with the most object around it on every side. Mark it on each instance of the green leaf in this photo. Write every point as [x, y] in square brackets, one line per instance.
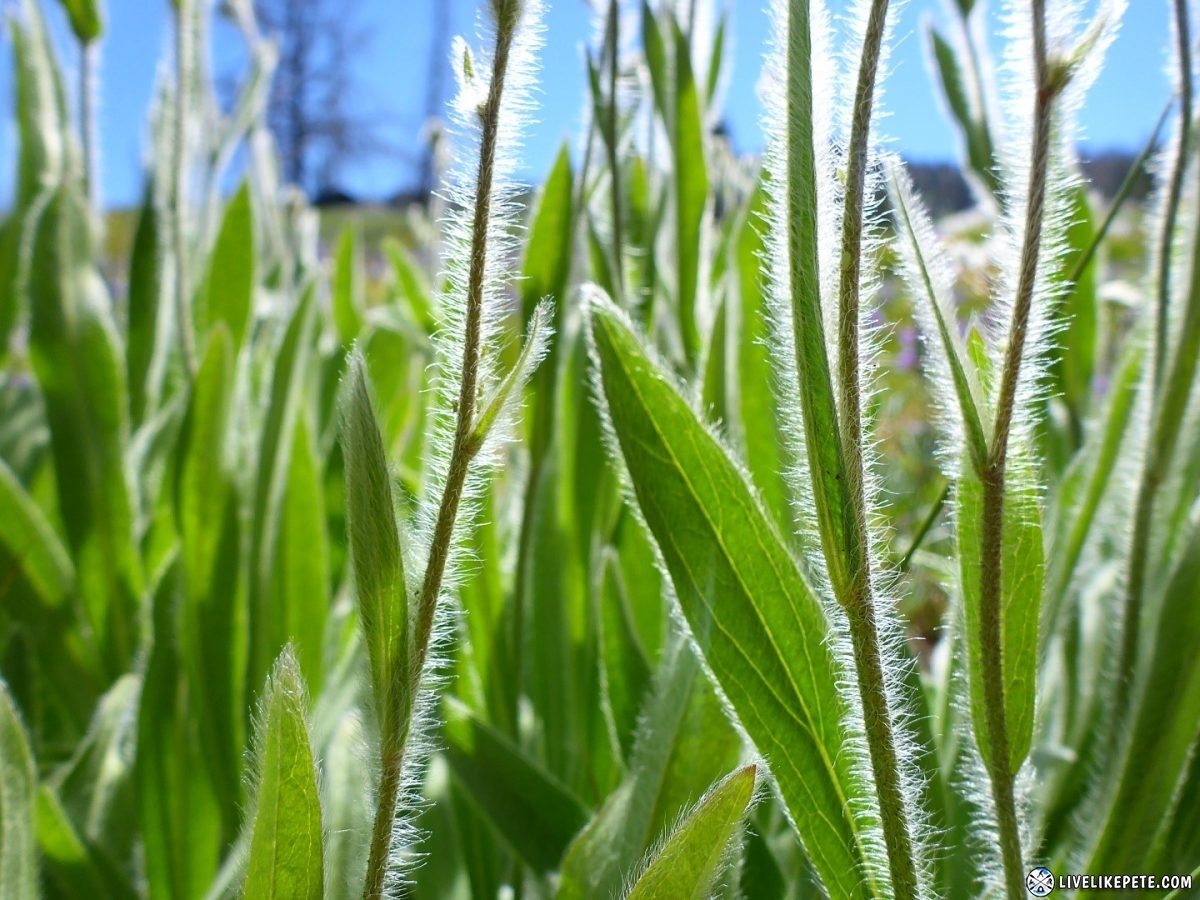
[1089, 477]
[31, 541]
[70, 863]
[714, 393]
[291, 368]
[228, 292]
[302, 582]
[683, 745]
[655, 49]
[38, 596]
[556, 610]
[757, 424]
[49, 155]
[530, 809]
[412, 286]
[716, 60]
[1074, 359]
[77, 356]
[179, 810]
[1165, 732]
[966, 106]
[1022, 568]
[347, 287]
[145, 299]
[626, 669]
[375, 551]
[18, 788]
[213, 642]
[86, 19]
[46, 156]
[692, 859]
[286, 853]
[349, 811]
[545, 273]
[96, 785]
[761, 628]
[691, 193]
[944, 341]
[533, 350]
[798, 212]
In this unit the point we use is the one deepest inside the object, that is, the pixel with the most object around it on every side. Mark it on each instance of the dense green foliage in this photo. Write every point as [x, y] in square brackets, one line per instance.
[675, 529]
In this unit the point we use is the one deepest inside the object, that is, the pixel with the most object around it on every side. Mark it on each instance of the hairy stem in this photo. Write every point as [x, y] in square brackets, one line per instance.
[463, 450]
[183, 79]
[1000, 769]
[1170, 390]
[860, 604]
[1175, 191]
[381, 834]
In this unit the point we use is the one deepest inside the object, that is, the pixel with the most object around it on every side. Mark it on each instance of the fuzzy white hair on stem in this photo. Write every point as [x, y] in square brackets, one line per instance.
[472, 401]
[1076, 47]
[821, 266]
[474, 70]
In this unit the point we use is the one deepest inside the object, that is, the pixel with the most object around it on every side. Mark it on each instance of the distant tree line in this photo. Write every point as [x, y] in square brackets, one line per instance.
[946, 190]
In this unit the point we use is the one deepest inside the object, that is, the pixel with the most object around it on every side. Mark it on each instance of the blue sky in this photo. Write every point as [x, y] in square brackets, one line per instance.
[391, 67]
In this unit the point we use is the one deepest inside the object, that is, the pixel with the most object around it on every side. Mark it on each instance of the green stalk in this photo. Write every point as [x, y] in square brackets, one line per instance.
[465, 447]
[858, 600]
[1136, 168]
[179, 217]
[993, 474]
[1175, 192]
[926, 526]
[1171, 388]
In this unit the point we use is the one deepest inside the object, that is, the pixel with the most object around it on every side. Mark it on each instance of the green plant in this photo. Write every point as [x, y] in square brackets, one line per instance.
[294, 603]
